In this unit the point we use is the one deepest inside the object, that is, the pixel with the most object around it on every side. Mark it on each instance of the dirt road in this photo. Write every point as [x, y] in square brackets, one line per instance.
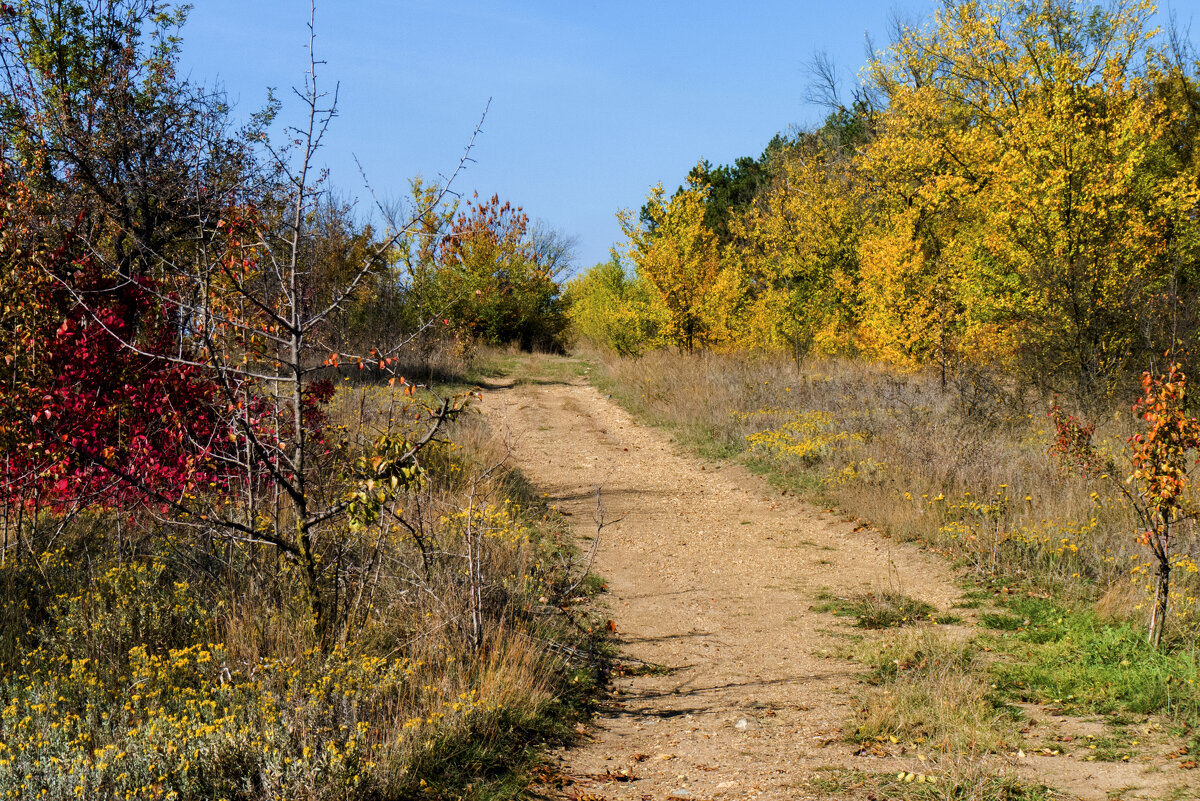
[711, 577]
[734, 687]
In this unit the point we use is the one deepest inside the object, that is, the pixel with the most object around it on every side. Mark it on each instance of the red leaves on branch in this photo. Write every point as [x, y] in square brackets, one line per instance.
[1073, 441]
[90, 420]
[1160, 454]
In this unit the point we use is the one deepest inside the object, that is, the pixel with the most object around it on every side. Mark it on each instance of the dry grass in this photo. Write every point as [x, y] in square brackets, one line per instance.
[929, 692]
[427, 693]
[965, 469]
[962, 779]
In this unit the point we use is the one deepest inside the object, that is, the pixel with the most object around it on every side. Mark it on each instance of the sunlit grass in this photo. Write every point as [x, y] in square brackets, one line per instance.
[141, 661]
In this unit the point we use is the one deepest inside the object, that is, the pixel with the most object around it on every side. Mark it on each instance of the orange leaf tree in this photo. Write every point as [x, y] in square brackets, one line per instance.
[1160, 457]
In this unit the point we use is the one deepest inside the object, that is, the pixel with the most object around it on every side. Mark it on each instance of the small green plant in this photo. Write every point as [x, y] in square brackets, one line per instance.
[881, 610]
[954, 781]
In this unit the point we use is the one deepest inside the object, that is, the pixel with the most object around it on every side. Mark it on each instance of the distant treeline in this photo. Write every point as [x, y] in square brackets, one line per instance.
[1012, 185]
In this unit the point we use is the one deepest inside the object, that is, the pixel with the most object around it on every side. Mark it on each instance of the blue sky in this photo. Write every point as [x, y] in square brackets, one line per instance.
[591, 103]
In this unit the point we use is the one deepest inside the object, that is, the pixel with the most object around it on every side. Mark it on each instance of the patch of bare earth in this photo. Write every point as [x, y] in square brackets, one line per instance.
[731, 686]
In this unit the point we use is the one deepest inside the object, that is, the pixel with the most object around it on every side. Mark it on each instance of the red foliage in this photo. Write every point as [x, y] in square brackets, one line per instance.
[100, 422]
[108, 396]
[1073, 441]
[1160, 454]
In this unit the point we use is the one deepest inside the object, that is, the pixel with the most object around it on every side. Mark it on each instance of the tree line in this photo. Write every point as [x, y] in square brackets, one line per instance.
[1012, 185]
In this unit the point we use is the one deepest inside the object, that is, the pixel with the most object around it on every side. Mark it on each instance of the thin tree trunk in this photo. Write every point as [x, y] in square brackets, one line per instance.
[1162, 584]
[1158, 615]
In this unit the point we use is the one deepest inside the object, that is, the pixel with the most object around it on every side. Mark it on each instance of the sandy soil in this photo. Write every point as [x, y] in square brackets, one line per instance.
[733, 687]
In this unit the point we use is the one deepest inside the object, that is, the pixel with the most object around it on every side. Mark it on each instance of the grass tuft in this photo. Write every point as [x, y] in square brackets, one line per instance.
[927, 690]
[881, 610]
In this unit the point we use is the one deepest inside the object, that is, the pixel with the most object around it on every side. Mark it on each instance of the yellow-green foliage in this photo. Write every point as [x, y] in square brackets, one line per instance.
[678, 258]
[1022, 198]
[612, 310]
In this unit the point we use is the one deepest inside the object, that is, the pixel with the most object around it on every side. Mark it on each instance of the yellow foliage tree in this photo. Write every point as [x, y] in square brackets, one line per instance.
[798, 247]
[679, 257]
[1017, 187]
[916, 249]
[612, 310]
[1029, 125]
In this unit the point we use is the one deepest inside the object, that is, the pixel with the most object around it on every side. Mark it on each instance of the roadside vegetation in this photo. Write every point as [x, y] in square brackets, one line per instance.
[1057, 584]
[963, 311]
[256, 542]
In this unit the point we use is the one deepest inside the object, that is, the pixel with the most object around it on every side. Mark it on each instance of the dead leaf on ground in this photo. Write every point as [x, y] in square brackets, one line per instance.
[622, 775]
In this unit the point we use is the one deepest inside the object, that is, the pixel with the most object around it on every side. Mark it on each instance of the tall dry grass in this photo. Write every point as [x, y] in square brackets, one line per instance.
[142, 659]
[965, 468]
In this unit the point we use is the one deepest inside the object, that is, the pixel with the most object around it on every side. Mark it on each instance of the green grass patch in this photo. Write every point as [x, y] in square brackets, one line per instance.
[1076, 660]
[524, 368]
[882, 610]
[1001, 621]
[1113, 747]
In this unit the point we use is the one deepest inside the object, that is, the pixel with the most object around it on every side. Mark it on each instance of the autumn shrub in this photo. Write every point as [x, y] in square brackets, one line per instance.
[478, 273]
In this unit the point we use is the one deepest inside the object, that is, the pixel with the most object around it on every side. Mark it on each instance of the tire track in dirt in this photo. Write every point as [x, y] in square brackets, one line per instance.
[712, 575]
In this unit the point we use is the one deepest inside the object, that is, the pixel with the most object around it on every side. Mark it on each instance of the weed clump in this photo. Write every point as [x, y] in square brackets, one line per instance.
[926, 690]
[881, 610]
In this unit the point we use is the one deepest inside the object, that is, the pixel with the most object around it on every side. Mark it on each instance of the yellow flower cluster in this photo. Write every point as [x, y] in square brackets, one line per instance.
[990, 525]
[804, 436]
[494, 521]
[190, 722]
